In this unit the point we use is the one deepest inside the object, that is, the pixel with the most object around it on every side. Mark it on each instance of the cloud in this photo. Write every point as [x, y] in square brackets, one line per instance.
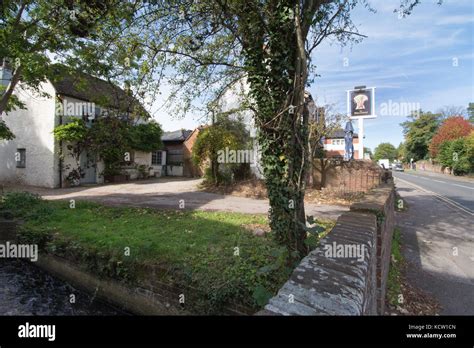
[456, 20]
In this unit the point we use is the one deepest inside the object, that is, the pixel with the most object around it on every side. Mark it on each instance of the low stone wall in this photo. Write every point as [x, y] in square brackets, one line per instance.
[347, 273]
[381, 203]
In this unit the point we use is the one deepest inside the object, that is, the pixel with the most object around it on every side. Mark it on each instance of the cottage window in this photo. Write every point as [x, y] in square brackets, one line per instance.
[156, 158]
[20, 158]
[175, 156]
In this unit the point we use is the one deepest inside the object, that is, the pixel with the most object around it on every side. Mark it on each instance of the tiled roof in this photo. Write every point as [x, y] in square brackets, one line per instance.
[178, 135]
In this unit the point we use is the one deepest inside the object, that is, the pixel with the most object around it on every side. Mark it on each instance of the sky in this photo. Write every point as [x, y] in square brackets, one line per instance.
[423, 60]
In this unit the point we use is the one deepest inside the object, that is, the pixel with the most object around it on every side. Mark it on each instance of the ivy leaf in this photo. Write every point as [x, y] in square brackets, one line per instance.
[261, 295]
[268, 268]
[316, 228]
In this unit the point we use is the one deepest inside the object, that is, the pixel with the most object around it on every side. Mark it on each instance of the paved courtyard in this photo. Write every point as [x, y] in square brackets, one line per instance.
[168, 193]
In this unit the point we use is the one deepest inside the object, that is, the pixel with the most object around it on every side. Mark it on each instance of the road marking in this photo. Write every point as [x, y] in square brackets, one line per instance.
[444, 182]
[444, 199]
[470, 188]
[420, 176]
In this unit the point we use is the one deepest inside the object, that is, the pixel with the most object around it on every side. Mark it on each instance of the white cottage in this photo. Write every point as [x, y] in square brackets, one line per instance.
[32, 158]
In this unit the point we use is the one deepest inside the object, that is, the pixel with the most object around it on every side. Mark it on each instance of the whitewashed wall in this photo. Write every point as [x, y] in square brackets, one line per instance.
[232, 99]
[142, 158]
[172, 170]
[33, 128]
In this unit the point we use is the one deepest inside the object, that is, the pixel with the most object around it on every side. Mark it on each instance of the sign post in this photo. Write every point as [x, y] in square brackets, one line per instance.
[361, 105]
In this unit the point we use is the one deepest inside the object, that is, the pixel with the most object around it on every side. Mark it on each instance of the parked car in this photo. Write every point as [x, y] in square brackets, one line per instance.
[398, 167]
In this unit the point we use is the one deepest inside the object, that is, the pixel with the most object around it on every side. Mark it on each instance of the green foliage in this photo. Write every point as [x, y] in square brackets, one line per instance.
[146, 137]
[213, 141]
[261, 295]
[385, 150]
[13, 102]
[30, 31]
[23, 205]
[73, 131]
[395, 272]
[265, 44]
[458, 154]
[5, 132]
[19, 201]
[453, 127]
[316, 228]
[204, 47]
[202, 256]
[470, 112]
[110, 138]
[401, 153]
[419, 129]
[110, 141]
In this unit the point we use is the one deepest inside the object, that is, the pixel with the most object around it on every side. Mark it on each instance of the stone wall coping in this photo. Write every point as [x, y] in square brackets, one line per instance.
[325, 285]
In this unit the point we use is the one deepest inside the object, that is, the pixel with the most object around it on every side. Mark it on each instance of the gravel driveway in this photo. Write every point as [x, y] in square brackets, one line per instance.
[169, 193]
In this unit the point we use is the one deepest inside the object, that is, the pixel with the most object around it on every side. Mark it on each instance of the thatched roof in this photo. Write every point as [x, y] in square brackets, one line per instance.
[86, 87]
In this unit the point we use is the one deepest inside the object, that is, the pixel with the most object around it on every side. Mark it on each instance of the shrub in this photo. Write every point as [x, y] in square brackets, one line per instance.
[23, 204]
[73, 131]
[452, 128]
[458, 154]
[110, 138]
[146, 137]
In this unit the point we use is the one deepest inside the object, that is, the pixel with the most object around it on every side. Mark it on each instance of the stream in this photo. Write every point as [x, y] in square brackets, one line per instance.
[27, 290]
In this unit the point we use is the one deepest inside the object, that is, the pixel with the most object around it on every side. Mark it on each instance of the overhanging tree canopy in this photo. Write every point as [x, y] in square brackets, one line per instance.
[207, 46]
[201, 48]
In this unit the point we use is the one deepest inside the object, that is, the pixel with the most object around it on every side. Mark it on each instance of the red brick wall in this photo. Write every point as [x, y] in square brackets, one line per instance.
[348, 177]
[190, 170]
[340, 153]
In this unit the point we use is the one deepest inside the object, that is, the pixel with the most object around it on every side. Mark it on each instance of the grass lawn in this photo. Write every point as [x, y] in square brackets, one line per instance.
[211, 252]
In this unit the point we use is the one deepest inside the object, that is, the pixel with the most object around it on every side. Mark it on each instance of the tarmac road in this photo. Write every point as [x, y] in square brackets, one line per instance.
[458, 190]
[438, 238]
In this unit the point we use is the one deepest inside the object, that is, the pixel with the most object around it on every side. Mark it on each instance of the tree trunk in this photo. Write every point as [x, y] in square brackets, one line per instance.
[323, 173]
[278, 86]
[8, 93]
[310, 171]
[214, 170]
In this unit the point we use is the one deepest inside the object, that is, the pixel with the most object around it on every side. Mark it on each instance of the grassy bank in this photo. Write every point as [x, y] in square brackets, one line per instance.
[394, 281]
[214, 253]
